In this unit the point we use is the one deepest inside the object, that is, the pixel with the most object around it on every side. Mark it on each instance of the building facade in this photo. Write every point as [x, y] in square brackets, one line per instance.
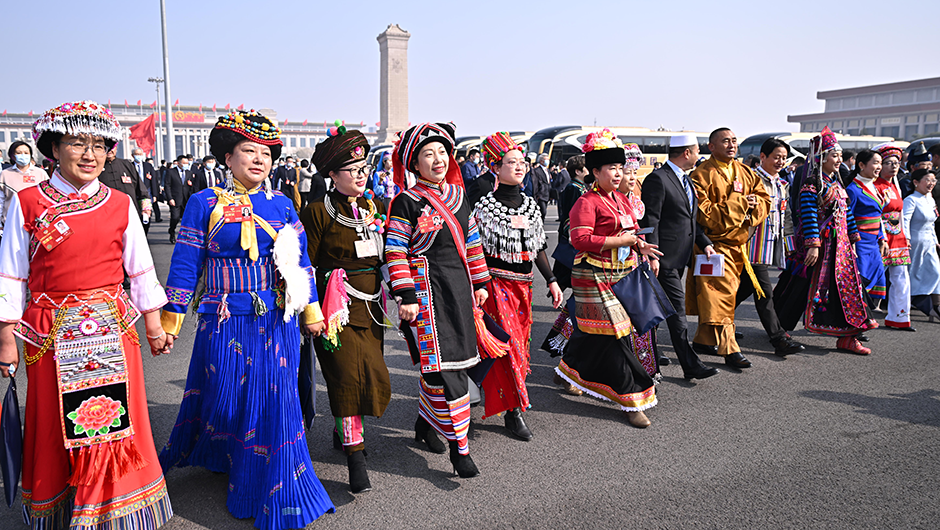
[907, 110]
[191, 127]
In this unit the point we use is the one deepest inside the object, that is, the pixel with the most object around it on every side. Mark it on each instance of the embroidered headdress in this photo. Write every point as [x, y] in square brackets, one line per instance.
[75, 118]
[411, 142]
[495, 147]
[602, 148]
[633, 155]
[339, 149]
[824, 142]
[889, 149]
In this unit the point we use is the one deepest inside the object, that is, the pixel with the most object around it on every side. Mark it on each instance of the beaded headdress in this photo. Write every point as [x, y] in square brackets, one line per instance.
[495, 147]
[339, 149]
[633, 155]
[252, 125]
[889, 149]
[75, 118]
[826, 141]
[412, 140]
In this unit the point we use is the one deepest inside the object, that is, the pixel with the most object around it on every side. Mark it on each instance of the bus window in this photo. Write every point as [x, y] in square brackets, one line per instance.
[655, 145]
[800, 145]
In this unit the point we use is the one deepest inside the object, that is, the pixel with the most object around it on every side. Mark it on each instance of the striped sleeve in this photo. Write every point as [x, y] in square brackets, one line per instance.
[808, 217]
[479, 274]
[852, 228]
[397, 241]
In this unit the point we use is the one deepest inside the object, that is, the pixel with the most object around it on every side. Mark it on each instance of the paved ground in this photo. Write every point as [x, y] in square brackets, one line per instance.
[819, 440]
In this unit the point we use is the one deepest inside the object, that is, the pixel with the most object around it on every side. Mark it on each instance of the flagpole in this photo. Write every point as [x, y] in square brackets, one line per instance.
[159, 132]
[171, 139]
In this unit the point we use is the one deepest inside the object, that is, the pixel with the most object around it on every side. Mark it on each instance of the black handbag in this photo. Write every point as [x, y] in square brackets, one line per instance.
[564, 253]
[11, 446]
[643, 298]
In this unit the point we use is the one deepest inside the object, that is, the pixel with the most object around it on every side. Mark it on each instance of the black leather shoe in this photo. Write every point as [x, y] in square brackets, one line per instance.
[516, 425]
[463, 464]
[738, 335]
[701, 372]
[172, 240]
[704, 349]
[424, 433]
[786, 346]
[664, 361]
[862, 337]
[737, 360]
[358, 476]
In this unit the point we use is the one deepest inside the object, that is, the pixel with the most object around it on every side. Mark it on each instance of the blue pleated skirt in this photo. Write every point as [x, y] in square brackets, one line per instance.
[241, 415]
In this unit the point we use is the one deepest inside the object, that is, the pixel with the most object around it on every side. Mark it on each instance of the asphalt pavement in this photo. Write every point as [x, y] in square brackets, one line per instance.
[821, 439]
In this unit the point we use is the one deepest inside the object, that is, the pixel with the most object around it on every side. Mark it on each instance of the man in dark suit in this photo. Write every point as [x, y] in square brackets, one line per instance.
[285, 178]
[208, 175]
[176, 192]
[541, 184]
[150, 180]
[120, 175]
[670, 202]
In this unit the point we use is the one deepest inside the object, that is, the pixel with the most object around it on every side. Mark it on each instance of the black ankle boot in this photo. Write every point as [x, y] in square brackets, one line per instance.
[358, 476]
[337, 443]
[463, 464]
[516, 425]
[424, 433]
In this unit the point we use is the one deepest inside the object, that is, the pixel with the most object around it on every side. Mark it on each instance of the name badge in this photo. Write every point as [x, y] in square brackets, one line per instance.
[624, 222]
[236, 213]
[28, 179]
[126, 179]
[738, 186]
[53, 235]
[429, 223]
[366, 249]
[889, 193]
[519, 221]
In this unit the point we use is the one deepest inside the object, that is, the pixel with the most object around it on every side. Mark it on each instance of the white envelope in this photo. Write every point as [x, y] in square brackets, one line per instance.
[714, 266]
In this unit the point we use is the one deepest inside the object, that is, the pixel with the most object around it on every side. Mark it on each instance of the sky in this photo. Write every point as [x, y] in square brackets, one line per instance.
[486, 65]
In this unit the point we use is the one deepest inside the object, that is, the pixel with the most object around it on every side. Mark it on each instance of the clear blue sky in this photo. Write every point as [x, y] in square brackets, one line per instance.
[487, 66]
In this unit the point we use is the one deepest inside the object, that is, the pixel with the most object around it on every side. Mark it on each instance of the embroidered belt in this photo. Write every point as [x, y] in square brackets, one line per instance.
[239, 275]
[514, 276]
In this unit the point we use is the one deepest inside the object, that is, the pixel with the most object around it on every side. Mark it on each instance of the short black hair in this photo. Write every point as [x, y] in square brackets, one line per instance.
[677, 151]
[15, 145]
[209, 157]
[304, 163]
[180, 157]
[847, 154]
[473, 151]
[716, 132]
[771, 144]
[574, 164]
[289, 157]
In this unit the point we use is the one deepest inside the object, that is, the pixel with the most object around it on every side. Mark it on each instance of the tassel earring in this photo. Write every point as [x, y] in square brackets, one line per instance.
[229, 181]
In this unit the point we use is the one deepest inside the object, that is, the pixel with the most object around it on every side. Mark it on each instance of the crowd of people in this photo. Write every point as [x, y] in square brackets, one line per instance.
[281, 262]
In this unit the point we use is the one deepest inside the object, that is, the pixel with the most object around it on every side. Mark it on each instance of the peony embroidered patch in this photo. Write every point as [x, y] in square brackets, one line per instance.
[96, 415]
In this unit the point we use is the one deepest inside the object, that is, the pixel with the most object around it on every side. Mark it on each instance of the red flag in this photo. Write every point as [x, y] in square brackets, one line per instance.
[30, 114]
[305, 122]
[177, 102]
[324, 125]
[213, 107]
[109, 103]
[378, 124]
[241, 107]
[125, 102]
[285, 120]
[144, 135]
[4, 112]
[228, 107]
[362, 123]
[138, 102]
[154, 104]
[200, 108]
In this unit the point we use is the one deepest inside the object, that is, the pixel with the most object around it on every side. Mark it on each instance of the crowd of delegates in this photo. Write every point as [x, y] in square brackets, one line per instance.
[279, 263]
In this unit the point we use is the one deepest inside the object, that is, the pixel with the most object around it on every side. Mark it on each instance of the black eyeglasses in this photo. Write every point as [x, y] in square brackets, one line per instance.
[361, 171]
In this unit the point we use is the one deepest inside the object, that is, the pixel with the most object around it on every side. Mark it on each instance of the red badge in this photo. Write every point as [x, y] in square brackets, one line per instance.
[707, 269]
[236, 213]
[126, 179]
[53, 235]
[28, 179]
[429, 223]
[738, 186]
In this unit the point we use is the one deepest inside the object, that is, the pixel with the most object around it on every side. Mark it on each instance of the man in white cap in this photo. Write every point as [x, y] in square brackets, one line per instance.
[731, 203]
[670, 203]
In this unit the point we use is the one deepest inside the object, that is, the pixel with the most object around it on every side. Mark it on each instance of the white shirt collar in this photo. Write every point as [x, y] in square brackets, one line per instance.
[90, 188]
[678, 171]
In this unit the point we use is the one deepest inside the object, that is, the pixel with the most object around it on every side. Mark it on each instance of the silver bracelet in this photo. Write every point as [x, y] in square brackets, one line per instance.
[157, 337]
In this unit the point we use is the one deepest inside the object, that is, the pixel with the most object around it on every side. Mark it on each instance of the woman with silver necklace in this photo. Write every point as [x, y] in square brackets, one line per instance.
[345, 243]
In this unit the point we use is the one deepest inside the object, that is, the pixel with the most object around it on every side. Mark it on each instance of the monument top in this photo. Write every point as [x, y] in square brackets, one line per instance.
[394, 30]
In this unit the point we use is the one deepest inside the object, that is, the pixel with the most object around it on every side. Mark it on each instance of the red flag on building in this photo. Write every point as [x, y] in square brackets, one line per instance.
[4, 112]
[241, 107]
[200, 108]
[109, 103]
[143, 134]
[30, 114]
[228, 107]
[125, 102]
[213, 107]
[285, 119]
[305, 122]
[177, 102]
[154, 104]
[378, 124]
[139, 102]
[362, 124]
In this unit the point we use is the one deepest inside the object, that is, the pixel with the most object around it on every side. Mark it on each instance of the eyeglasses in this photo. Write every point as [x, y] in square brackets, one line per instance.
[361, 172]
[79, 148]
[514, 162]
[891, 163]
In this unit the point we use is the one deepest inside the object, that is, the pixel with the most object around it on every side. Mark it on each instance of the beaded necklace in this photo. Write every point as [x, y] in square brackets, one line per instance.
[500, 239]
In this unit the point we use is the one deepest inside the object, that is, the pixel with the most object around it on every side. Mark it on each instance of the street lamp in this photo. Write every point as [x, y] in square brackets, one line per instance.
[156, 81]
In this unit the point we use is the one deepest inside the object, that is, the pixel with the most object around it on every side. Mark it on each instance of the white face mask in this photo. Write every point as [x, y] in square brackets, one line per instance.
[210, 165]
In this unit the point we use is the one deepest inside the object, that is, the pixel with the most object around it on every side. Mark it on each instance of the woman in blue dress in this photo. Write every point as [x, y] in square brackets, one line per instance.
[866, 204]
[241, 412]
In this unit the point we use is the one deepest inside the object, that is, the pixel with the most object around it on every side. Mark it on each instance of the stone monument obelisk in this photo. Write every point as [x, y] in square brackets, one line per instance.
[393, 84]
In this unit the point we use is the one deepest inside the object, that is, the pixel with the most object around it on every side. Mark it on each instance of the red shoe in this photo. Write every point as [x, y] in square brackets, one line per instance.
[852, 345]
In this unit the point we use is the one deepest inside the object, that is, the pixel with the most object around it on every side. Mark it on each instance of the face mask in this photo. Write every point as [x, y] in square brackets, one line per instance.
[290, 165]
[210, 165]
[138, 158]
[22, 159]
[186, 167]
